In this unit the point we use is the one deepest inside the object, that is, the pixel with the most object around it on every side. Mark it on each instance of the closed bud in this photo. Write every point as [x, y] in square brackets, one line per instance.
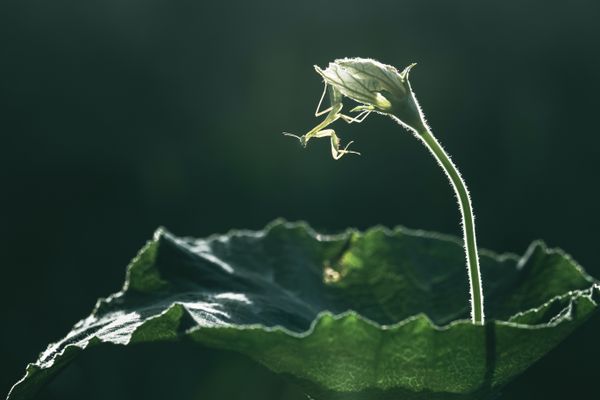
[378, 87]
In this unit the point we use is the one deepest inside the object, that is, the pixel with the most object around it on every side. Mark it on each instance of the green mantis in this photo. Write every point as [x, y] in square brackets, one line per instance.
[334, 112]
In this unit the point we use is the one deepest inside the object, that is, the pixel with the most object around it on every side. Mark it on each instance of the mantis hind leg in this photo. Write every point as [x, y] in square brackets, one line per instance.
[358, 118]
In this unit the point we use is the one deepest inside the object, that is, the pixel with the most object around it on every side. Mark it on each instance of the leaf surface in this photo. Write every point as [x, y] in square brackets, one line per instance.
[375, 315]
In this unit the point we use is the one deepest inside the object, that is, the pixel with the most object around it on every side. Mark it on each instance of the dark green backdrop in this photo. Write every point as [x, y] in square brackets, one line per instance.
[118, 116]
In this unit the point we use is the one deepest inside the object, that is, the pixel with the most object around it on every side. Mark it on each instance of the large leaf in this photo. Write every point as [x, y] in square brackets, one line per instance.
[374, 315]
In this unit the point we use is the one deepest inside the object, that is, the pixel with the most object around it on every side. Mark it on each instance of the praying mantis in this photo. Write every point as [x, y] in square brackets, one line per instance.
[334, 112]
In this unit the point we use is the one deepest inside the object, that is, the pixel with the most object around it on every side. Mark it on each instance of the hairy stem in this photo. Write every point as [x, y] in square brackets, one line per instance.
[468, 220]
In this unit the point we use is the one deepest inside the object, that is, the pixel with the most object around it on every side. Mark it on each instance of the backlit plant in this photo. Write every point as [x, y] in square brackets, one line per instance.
[382, 89]
[371, 315]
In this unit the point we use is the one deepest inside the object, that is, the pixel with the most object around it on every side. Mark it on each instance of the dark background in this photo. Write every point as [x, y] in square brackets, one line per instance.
[118, 116]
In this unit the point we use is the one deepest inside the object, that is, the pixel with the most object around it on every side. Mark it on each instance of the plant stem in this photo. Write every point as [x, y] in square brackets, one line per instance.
[468, 220]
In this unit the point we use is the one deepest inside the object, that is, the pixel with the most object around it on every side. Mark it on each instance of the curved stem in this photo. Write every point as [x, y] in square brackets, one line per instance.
[468, 220]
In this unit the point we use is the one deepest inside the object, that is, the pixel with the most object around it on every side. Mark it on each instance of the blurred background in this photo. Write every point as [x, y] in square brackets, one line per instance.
[118, 116]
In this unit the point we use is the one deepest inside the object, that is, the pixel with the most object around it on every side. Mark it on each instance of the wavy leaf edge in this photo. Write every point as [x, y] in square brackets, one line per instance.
[591, 294]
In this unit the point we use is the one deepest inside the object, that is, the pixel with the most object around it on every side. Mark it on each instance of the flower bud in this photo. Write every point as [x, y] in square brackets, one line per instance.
[377, 86]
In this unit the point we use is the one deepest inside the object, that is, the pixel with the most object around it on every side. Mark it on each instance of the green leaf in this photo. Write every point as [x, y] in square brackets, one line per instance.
[374, 315]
